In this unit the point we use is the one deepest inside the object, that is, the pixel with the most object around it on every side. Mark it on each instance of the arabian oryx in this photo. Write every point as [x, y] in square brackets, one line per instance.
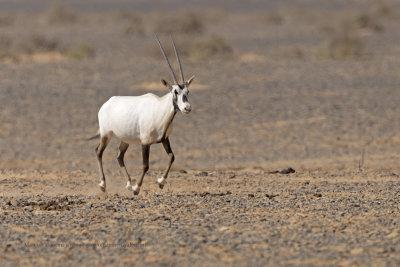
[145, 120]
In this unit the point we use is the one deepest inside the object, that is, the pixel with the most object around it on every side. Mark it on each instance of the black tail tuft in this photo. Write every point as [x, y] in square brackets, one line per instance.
[93, 137]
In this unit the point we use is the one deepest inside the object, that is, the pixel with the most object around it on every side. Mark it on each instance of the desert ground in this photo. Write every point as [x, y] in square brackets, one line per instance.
[291, 155]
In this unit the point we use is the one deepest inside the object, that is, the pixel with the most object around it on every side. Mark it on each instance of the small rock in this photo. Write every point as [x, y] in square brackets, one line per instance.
[111, 208]
[183, 171]
[214, 239]
[203, 194]
[271, 196]
[203, 173]
[287, 171]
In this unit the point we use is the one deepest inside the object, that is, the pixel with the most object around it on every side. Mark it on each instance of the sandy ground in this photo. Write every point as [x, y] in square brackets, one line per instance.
[271, 105]
[203, 218]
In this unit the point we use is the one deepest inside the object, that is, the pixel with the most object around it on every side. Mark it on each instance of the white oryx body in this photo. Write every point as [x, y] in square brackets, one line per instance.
[145, 120]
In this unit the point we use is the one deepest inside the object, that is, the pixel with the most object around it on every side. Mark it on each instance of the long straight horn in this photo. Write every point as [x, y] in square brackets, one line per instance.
[179, 61]
[166, 59]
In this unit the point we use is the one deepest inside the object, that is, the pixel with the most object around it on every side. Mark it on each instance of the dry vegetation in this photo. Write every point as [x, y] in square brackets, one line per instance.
[345, 31]
[6, 19]
[184, 22]
[341, 44]
[80, 51]
[133, 23]
[28, 48]
[58, 14]
[345, 37]
[292, 14]
[210, 48]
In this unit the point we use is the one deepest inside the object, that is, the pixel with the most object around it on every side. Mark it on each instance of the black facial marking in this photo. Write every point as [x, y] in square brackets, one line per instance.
[174, 101]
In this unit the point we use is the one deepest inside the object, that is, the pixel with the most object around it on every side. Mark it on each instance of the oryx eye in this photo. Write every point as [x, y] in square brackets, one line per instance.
[176, 92]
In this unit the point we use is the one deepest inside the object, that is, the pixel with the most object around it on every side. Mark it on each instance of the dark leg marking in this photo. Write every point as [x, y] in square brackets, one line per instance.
[122, 149]
[171, 155]
[145, 155]
[99, 152]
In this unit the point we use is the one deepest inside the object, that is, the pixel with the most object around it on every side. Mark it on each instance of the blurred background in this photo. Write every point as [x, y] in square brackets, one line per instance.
[306, 84]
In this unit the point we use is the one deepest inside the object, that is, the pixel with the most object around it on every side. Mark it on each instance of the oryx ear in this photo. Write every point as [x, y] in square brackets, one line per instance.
[190, 80]
[166, 84]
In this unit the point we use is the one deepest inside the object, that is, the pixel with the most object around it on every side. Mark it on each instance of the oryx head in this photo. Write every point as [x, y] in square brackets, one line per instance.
[178, 90]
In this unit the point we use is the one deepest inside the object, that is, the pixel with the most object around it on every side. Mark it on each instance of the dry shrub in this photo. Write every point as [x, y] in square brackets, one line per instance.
[125, 15]
[182, 44]
[290, 14]
[38, 44]
[80, 51]
[213, 47]
[272, 18]
[344, 37]
[5, 42]
[288, 53]
[17, 50]
[360, 21]
[14, 50]
[299, 13]
[384, 10]
[134, 27]
[368, 21]
[58, 14]
[5, 45]
[133, 22]
[6, 19]
[214, 15]
[181, 22]
[341, 45]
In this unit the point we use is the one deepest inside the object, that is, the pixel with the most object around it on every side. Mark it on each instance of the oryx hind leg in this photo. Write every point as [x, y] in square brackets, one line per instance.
[145, 154]
[104, 140]
[167, 147]
[122, 149]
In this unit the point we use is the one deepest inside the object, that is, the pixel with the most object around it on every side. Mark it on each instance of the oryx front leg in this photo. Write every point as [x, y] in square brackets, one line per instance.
[145, 154]
[122, 149]
[167, 147]
[99, 152]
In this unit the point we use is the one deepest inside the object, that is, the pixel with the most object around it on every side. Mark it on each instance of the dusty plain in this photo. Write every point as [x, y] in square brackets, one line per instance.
[308, 85]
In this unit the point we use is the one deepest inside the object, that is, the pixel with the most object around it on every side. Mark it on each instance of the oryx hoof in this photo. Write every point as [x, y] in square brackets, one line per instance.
[161, 182]
[136, 189]
[128, 186]
[102, 186]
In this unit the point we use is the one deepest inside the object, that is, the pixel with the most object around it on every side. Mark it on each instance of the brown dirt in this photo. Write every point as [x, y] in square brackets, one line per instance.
[203, 218]
[270, 106]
